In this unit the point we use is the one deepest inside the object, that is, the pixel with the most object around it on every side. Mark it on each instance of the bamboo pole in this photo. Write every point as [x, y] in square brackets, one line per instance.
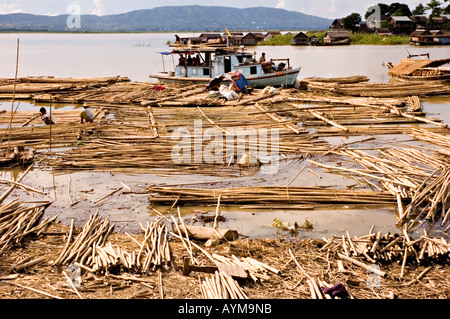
[33, 289]
[361, 264]
[328, 121]
[72, 285]
[14, 94]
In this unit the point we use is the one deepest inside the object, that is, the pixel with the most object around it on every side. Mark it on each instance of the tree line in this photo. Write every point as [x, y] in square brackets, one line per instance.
[435, 8]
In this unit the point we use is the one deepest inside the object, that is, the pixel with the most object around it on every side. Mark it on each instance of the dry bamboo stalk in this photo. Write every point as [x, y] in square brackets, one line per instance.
[405, 256]
[107, 195]
[290, 126]
[212, 122]
[72, 285]
[376, 243]
[33, 289]
[360, 264]
[5, 194]
[23, 186]
[24, 265]
[215, 225]
[152, 121]
[328, 121]
[359, 172]
[312, 289]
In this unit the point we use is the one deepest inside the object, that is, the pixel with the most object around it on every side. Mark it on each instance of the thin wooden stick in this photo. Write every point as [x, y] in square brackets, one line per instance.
[72, 285]
[14, 94]
[32, 289]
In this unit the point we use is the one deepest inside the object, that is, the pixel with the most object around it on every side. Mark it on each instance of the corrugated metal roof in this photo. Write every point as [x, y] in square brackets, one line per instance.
[338, 34]
[401, 18]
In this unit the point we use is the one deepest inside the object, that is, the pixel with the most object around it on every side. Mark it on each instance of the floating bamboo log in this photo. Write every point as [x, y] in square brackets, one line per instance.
[328, 121]
[266, 194]
[386, 90]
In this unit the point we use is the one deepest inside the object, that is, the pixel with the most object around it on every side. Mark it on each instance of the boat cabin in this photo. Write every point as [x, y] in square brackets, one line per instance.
[210, 63]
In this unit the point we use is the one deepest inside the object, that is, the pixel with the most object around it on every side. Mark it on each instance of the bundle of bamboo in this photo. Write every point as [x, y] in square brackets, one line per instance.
[386, 90]
[109, 259]
[49, 88]
[266, 194]
[431, 137]
[221, 286]
[390, 248]
[257, 270]
[17, 222]
[155, 247]
[94, 234]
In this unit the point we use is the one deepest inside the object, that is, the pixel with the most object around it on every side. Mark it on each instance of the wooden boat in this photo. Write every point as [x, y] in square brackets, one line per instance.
[410, 69]
[215, 62]
[16, 157]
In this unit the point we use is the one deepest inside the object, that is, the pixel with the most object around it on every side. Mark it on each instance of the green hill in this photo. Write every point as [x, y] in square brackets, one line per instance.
[173, 18]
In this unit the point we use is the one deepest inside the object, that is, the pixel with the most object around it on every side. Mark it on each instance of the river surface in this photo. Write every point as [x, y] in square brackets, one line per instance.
[136, 56]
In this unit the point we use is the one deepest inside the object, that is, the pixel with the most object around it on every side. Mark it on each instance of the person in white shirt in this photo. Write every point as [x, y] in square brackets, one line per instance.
[87, 114]
[47, 118]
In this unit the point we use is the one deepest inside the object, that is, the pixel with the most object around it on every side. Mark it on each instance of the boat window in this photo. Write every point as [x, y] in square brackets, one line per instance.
[205, 71]
[253, 70]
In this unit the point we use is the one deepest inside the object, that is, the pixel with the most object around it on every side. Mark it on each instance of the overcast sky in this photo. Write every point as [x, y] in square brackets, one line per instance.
[322, 8]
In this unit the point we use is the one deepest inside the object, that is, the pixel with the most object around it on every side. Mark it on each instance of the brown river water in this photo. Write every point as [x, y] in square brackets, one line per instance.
[135, 56]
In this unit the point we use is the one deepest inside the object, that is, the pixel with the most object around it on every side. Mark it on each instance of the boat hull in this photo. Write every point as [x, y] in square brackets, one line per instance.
[277, 79]
[408, 78]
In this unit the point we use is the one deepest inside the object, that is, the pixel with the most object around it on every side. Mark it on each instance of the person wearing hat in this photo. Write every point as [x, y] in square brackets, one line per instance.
[87, 114]
[47, 118]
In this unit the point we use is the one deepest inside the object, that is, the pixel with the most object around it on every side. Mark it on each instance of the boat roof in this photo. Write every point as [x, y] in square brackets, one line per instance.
[408, 66]
[205, 49]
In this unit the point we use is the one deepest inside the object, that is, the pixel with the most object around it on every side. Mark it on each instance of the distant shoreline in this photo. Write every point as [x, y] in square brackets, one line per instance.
[355, 39]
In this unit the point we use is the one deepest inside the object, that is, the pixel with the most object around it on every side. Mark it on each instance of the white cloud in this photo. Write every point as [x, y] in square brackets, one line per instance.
[98, 7]
[332, 7]
[281, 4]
[8, 8]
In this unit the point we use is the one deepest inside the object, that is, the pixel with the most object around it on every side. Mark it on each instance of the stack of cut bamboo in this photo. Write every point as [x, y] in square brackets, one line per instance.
[390, 248]
[90, 252]
[257, 270]
[430, 200]
[17, 222]
[221, 286]
[81, 249]
[155, 250]
[109, 259]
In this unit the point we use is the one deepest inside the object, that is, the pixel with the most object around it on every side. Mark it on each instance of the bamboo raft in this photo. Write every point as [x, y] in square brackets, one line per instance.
[266, 195]
[380, 90]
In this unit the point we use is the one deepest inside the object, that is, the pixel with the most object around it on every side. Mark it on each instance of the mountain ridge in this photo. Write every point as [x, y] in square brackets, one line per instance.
[170, 18]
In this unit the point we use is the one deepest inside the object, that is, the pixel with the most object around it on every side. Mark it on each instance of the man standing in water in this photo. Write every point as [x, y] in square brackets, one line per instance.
[87, 114]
